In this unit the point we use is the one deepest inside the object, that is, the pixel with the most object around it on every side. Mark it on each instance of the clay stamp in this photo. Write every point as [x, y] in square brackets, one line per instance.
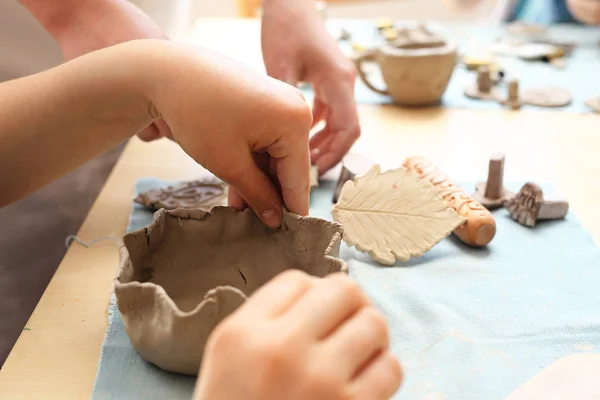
[188, 270]
[529, 206]
[393, 215]
[415, 74]
[546, 97]
[492, 193]
[594, 104]
[480, 226]
[484, 88]
[512, 99]
[200, 194]
[353, 165]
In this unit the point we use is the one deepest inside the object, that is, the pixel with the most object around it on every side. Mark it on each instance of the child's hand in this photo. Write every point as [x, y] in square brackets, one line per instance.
[244, 126]
[300, 338]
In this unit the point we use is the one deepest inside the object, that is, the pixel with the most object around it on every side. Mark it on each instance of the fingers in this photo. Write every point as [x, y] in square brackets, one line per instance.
[280, 293]
[358, 340]
[379, 380]
[235, 200]
[329, 303]
[149, 134]
[342, 128]
[319, 111]
[255, 188]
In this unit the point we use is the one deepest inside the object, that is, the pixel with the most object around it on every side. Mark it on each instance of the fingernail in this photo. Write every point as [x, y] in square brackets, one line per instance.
[271, 218]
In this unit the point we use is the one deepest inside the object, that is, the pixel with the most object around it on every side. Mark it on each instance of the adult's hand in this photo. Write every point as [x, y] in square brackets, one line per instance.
[299, 338]
[297, 47]
[80, 27]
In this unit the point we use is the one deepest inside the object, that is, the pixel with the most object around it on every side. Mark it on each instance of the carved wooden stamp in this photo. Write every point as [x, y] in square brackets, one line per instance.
[512, 99]
[484, 88]
[529, 206]
[492, 194]
[480, 226]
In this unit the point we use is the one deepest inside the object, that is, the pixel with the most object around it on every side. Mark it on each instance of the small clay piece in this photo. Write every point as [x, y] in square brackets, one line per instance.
[512, 100]
[480, 226]
[546, 97]
[492, 194]
[384, 23]
[353, 165]
[529, 206]
[389, 34]
[484, 89]
[314, 176]
[188, 270]
[200, 194]
[415, 74]
[393, 215]
[594, 104]
[344, 35]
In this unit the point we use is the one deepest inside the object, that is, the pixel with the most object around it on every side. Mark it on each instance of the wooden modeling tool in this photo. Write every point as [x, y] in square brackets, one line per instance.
[480, 226]
[529, 206]
[512, 99]
[484, 89]
[353, 165]
[492, 194]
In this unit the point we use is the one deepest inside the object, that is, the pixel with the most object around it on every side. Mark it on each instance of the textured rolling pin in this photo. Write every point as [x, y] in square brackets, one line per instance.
[480, 226]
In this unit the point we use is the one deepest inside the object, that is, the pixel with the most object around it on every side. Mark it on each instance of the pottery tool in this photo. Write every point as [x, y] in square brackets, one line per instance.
[484, 88]
[480, 226]
[512, 99]
[492, 194]
[529, 206]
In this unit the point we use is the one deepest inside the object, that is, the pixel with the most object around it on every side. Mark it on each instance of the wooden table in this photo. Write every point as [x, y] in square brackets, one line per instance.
[57, 355]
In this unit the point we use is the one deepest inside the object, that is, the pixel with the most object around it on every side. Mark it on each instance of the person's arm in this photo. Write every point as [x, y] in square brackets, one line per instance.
[56, 120]
[86, 25]
[297, 47]
[586, 11]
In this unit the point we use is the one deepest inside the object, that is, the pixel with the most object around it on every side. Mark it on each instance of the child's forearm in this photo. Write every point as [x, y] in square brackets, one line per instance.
[55, 121]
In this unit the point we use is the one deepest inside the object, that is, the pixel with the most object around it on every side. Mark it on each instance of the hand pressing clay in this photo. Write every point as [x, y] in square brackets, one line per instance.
[492, 193]
[188, 270]
[529, 206]
[200, 194]
[484, 88]
[480, 226]
[393, 215]
[353, 165]
[546, 97]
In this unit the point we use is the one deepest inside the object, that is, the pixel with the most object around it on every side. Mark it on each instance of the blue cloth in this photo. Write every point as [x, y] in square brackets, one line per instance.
[467, 324]
[580, 77]
[543, 12]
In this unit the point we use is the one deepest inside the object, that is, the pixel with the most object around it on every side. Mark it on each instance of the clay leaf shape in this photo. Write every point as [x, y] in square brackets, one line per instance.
[393, 215]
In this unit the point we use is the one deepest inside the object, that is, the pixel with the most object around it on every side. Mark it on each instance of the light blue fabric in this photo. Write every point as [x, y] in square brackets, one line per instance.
[580, 77]
[467, 324]
[543, 12]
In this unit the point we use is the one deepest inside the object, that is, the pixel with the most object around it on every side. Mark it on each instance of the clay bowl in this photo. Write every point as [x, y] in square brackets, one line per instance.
[415, 73]
[189, 269]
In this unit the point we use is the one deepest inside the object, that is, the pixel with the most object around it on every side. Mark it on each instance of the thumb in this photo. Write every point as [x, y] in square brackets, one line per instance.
[257, 190]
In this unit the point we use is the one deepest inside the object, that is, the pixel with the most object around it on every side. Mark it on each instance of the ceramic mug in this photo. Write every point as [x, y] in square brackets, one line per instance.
[414, 76]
